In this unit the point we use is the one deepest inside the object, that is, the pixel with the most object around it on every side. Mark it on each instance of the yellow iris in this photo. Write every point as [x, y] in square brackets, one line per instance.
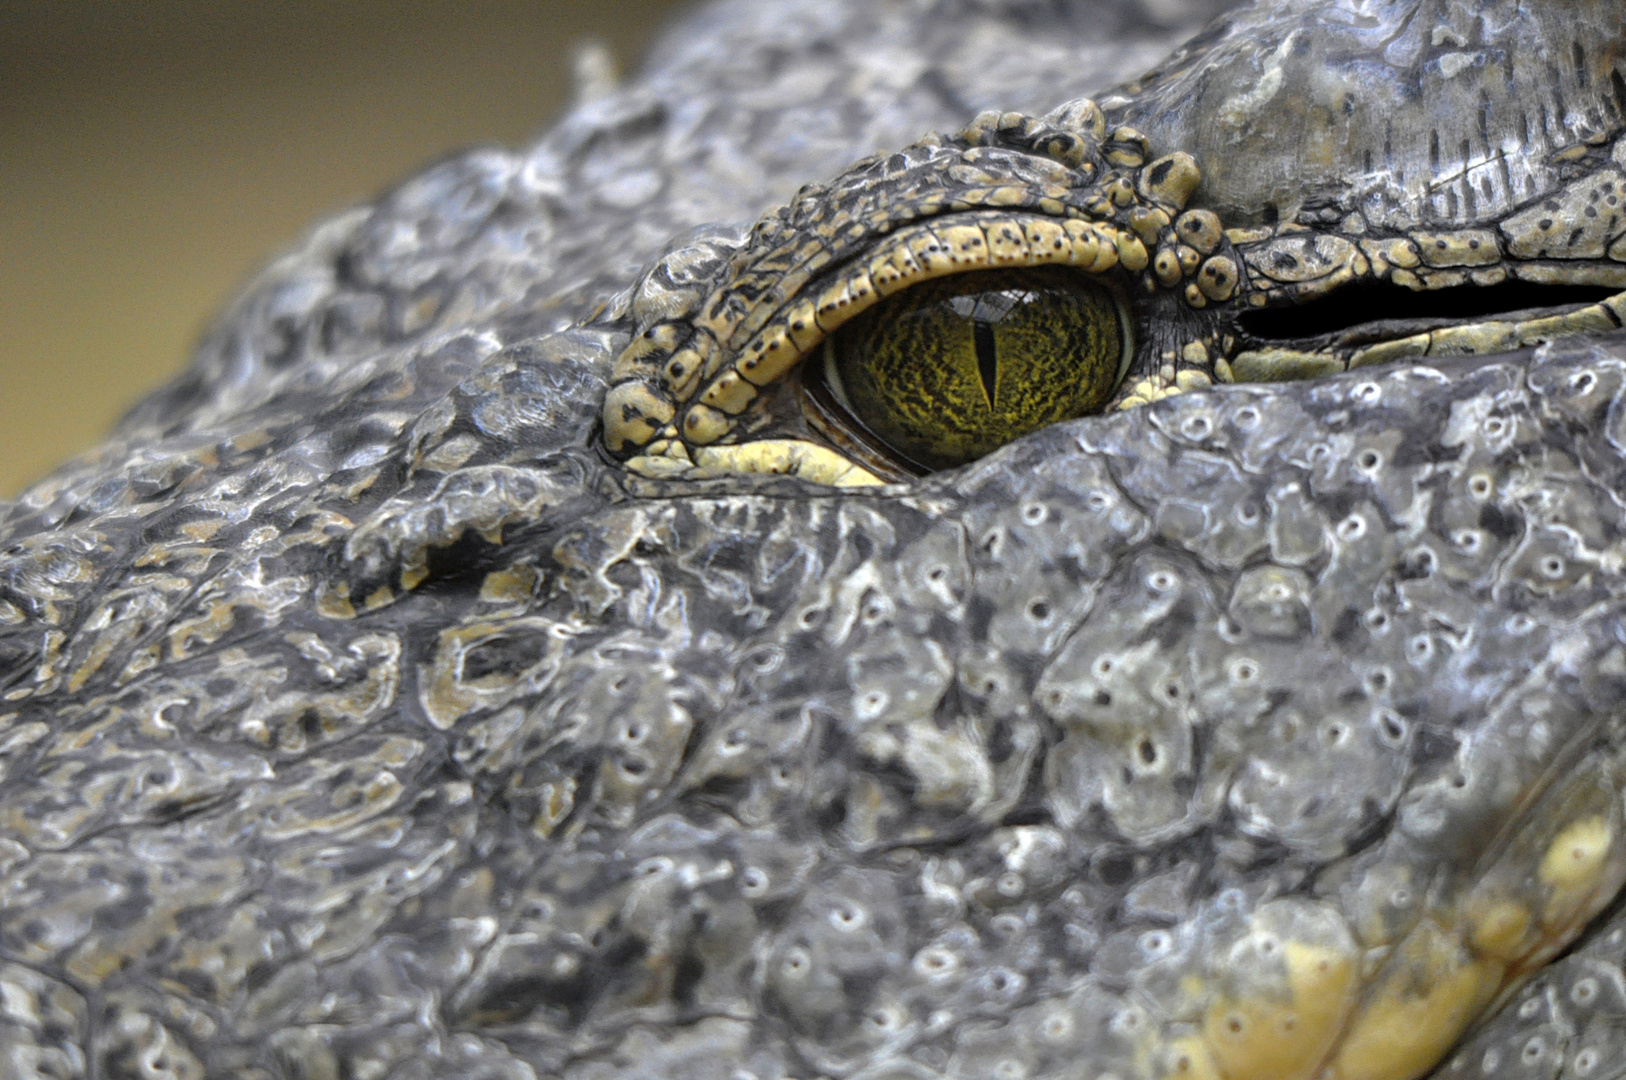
[954, 368]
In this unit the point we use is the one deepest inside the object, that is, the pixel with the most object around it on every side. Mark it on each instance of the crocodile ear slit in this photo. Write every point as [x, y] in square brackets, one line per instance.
[1343, 314]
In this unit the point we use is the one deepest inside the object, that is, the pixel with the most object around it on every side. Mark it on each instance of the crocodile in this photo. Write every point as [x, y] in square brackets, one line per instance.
[1132, 587]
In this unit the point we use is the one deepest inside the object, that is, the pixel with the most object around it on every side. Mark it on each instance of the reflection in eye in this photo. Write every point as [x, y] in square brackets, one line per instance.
[954, 368]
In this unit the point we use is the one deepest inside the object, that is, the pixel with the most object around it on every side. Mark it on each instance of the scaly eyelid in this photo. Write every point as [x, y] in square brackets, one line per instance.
[713, 328]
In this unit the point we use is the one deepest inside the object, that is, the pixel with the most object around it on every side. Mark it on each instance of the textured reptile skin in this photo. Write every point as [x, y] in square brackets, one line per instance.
[365, 714]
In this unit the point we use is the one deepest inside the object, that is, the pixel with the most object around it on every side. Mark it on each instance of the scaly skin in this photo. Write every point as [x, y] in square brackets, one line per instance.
[413, 691]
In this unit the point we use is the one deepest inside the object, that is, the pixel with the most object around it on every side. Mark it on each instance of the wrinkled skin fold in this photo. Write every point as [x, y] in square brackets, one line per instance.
[362, 714]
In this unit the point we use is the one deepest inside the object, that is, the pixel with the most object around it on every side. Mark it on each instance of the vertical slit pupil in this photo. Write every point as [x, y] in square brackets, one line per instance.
[987, 356]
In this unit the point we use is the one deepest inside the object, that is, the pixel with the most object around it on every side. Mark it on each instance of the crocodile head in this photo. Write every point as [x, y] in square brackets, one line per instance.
[517, 650]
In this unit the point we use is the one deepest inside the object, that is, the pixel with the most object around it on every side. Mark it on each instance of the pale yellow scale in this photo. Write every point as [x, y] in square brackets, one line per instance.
[1297, 995]
[1429, 992]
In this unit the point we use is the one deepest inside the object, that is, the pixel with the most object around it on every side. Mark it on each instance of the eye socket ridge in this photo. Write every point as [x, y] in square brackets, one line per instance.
[951, 369]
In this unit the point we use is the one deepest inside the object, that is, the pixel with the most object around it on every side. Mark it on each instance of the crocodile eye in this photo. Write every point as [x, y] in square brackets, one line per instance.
[953, 368]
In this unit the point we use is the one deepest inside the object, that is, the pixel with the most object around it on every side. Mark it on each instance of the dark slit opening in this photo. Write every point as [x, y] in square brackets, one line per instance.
[987, 357]
[1379, 305]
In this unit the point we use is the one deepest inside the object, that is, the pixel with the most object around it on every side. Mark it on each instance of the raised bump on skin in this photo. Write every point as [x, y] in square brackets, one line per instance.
[769, 356]
[684, 369]
[1189, 1058]
[1131, 252]
[801, 325]
[1046, 238]
[729, 393]
[965, 244]
[633, 413]
[1581, 868]
[1167, 268]
[1007, 244]
[703, 424]
[657, 467]
[1499, 928]
[894, 269]
[1290, 982]
[1201, 229]
[662, 339]
[937, 256]
[1172, 179]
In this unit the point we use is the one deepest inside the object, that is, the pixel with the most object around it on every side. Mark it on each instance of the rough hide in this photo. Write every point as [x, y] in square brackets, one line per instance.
[361, 715]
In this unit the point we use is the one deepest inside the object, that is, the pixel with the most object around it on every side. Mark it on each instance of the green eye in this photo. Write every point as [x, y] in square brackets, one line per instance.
[954, 368]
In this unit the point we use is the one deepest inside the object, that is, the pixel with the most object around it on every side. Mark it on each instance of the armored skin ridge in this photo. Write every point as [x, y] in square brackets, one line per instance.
[511, 651]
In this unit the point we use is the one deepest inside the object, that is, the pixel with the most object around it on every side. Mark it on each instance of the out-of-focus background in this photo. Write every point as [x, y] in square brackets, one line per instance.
[154, 152]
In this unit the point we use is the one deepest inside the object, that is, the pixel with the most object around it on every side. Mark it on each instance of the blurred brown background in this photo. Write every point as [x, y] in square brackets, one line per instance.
[154, 152]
